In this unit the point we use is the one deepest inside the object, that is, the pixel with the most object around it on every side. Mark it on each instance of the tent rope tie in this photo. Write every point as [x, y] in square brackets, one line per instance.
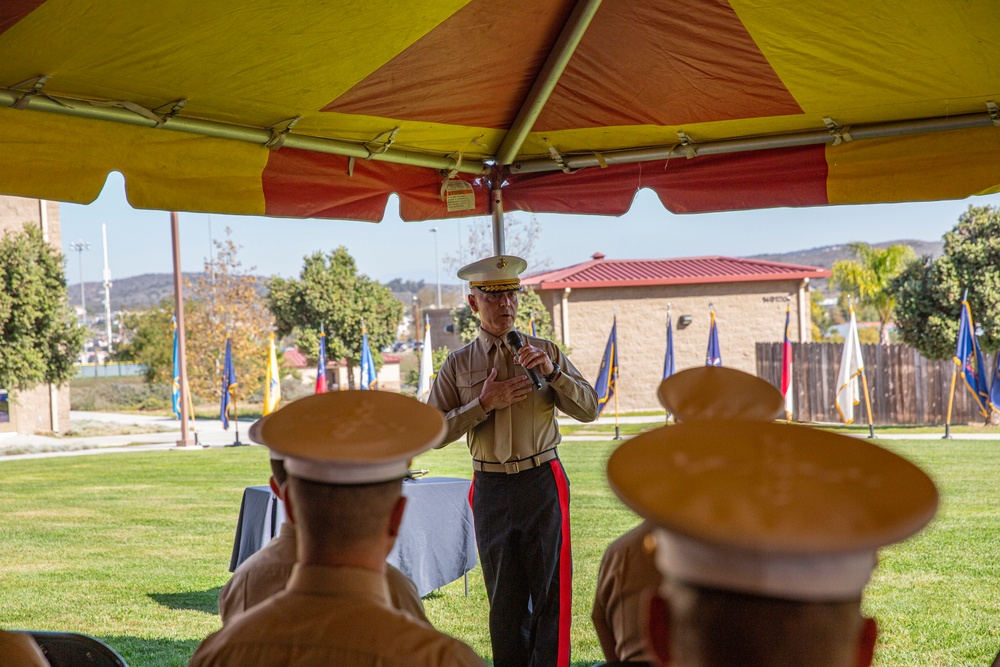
[670, 153]
[279, 132]
[558, 158]
[169, 110]
[687, 144]
[452, 173]
[381, 143]
[601, 162]
[137, 109]
[36, 83]
[840, 133]
[994, 112]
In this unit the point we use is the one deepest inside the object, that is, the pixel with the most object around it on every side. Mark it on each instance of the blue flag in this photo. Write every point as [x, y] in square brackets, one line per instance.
[969, 358]
[607, 378]
[534, 329]
[668, 359]
[368, 375]
[714, 356]
[175, 391]
[228, 384]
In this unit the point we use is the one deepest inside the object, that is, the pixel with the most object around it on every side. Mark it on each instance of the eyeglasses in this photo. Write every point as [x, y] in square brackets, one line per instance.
[497, 297]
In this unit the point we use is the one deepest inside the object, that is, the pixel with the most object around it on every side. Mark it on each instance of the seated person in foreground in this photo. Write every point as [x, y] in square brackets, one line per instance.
[19, 649]
[346, 454]
[266, 572]
[766, 537]
[628, 571]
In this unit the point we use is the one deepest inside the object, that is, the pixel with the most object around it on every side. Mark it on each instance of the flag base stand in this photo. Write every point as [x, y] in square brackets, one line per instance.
[617, 434]
[237, 443]
[947, 432]
[871, 432]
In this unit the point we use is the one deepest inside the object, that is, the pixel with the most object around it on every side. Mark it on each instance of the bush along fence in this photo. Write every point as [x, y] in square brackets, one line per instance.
[905, 387]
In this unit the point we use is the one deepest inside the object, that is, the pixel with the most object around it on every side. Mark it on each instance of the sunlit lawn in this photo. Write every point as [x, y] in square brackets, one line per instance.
[133, 548]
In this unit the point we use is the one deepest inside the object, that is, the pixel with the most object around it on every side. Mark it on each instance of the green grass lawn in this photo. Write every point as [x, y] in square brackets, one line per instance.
[133, 548]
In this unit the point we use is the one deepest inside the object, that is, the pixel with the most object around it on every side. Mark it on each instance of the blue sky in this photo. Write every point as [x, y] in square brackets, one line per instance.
[139, 241]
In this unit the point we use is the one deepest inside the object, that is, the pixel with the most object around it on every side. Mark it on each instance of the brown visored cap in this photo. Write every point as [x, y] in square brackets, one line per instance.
[769, 508]
[350, 437]
[716, 392]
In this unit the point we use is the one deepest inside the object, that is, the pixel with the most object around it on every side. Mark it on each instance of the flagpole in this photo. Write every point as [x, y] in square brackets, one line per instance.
[951, 399]
[614, 371]
[868, 404]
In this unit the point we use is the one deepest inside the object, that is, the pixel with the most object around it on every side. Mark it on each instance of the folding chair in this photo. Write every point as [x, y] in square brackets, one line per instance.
[70, 649]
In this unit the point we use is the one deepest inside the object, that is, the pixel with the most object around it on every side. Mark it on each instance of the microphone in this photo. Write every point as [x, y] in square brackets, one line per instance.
[514, 340]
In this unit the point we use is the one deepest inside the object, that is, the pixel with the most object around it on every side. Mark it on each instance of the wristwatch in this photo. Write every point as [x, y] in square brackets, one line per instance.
[554, 374]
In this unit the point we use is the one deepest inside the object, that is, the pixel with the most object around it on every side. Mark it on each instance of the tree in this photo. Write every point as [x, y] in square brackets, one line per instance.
[150, 341]
[39, 336]
[224, 300]
[331, 292]
[520, 239]
[929, 293]
[869, 277]
[529, 303]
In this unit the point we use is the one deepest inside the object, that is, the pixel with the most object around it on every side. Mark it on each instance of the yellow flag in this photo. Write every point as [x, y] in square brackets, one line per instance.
[272, 383]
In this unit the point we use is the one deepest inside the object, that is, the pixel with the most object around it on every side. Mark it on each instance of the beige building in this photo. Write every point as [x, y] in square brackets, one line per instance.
[749, 298]
[46, 407]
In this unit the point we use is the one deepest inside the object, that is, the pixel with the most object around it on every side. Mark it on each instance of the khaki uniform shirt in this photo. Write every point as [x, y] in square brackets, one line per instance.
[331, 616]
[266, 573]
[627, 570]
[18, 649]
[533, 427]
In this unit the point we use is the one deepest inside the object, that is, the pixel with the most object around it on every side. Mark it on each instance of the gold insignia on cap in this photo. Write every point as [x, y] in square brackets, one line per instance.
[502, 263]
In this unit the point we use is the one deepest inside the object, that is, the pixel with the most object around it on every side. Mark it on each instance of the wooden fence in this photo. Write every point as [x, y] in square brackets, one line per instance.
[905, 387]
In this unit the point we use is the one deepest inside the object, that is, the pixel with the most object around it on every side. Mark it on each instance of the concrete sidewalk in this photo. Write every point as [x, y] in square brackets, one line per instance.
[211, 434]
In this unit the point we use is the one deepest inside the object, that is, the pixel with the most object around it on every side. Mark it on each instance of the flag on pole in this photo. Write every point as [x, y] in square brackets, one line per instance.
[426, 363]
[228, 384]
[851, 368]
[534, 329]
[969, 358]
[607, 377]
[368, 375]
[321, 364]
[995, 387]
[175, 391]
[668, 359]
[272, 381]
[787, 390]
[714, 355]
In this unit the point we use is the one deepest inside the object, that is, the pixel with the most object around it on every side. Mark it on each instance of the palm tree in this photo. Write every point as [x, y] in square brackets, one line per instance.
[869, 275]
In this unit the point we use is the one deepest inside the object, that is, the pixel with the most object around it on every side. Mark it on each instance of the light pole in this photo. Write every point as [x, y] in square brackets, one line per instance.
[437, 267]
[79, 247]
[107, 287]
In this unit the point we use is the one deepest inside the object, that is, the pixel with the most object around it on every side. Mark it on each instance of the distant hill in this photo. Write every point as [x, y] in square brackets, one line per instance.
[139, 292]
[826, 256]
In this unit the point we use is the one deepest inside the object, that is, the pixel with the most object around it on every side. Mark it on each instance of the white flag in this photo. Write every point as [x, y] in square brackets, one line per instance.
[426, 365]
[851, 367]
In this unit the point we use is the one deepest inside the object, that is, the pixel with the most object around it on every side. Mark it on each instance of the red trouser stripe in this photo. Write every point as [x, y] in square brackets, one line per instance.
[472, 491]
[565, 565]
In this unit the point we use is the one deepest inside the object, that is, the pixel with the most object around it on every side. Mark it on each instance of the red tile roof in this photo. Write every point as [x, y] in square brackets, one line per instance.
[600, 272]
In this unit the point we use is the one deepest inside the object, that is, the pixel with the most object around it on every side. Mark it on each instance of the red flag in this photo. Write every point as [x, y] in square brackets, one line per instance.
[321, 365]
[786, 367]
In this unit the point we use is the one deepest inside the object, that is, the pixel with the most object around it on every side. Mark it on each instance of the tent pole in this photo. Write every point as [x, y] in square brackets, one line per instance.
[724, 146]
[499, 242]
[555, 64]
[181, 338]
[254, 135]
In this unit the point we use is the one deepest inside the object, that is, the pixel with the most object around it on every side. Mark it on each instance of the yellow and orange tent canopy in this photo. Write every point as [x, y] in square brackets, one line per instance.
[323, 109]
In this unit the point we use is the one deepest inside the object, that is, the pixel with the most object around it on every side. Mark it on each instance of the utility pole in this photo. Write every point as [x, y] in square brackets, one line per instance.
[107, 286]
[79, 247]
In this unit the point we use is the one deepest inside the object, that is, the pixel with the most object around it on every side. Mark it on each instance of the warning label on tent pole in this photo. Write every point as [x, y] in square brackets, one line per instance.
[459, 196]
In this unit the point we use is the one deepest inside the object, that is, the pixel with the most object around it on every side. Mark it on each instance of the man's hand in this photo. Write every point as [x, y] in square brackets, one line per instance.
[530, 356]
[497, 395]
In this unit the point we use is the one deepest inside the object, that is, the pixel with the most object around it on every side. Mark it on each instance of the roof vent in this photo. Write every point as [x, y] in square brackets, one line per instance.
[597, 255]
